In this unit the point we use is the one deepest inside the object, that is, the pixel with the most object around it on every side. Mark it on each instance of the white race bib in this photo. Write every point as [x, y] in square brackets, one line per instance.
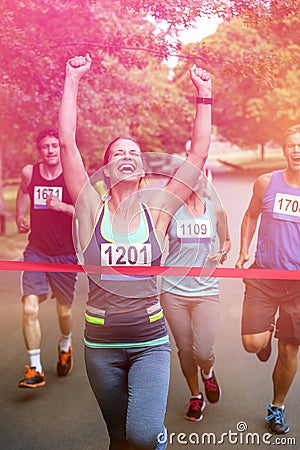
[286, 206]
[41, 193]
[193, 228]
[125, 254]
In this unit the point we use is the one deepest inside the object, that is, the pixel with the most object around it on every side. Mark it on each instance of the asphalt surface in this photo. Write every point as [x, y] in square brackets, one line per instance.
[64, 414]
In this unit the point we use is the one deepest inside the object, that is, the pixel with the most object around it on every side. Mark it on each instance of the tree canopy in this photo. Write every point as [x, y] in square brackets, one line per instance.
[256, 78]
[128, 90]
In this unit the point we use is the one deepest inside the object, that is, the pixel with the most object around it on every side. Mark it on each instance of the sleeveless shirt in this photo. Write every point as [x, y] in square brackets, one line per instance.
[279, 229]
[123, 310]
[191, 239]
[50, 230]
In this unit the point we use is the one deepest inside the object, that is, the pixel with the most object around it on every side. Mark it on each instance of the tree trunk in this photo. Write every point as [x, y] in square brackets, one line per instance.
[4, 210]
[262, 152]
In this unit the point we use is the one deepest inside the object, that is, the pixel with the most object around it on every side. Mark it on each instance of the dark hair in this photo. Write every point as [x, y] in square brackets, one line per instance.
[44, 133]
[108, 148]
[295, 129]
[107, 153]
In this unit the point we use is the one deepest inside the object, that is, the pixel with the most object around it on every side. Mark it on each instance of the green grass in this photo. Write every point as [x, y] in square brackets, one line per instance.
[13, 243]
[248, 160]
[10, 194]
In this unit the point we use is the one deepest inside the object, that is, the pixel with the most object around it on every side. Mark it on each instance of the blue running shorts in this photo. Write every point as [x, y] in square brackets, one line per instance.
[62, 284]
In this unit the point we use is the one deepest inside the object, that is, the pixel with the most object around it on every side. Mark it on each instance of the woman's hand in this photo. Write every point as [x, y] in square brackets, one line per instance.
[78, 66]
[201, 80]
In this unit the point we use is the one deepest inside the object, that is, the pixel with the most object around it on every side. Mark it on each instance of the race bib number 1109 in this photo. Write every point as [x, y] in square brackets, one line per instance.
[193, 229]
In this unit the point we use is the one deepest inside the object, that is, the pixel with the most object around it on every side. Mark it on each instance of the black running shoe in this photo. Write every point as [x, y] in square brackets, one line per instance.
[195, 408]
[212, 388]
[277, 421]
[32, 378]
[65, 362]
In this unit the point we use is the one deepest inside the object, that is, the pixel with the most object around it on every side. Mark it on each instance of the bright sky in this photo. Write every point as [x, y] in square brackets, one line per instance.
[203, 28]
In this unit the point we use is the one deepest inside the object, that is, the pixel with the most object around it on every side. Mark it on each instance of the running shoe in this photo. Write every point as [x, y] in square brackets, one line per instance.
[277, 421]
[265, 353]
[32, 378]
[212, 388]
[195, 408]
[65, 362]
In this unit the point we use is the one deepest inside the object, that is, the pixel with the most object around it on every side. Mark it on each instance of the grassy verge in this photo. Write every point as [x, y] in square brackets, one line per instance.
[248, 160]
[13, 243]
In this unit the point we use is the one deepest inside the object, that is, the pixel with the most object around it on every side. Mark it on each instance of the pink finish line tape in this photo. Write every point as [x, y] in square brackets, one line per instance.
[153, 270]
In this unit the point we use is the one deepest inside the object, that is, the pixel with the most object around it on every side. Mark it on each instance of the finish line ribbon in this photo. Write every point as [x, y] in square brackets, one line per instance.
[230, 272]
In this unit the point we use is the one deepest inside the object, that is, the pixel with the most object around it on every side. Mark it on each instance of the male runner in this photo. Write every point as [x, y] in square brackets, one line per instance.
[50, 241]
[276, 198]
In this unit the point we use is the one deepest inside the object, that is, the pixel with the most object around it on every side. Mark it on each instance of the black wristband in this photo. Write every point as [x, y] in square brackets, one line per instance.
[204, 100]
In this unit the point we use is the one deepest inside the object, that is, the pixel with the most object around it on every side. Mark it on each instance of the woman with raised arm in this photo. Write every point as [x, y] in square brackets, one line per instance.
[127, 350]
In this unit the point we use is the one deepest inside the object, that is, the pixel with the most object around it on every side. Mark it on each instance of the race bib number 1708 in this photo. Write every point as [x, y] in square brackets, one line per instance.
[287, 207]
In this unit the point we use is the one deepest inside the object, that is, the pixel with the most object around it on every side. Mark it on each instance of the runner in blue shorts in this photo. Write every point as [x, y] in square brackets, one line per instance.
[276, 200]
[50, 241]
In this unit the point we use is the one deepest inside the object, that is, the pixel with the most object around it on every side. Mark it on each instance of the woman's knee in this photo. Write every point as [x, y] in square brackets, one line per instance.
[144, 441]
[186, 354]
[204, 357]
[146, 431]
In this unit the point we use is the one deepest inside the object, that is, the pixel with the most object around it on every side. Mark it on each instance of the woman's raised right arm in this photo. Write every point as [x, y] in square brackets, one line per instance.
[73, 168]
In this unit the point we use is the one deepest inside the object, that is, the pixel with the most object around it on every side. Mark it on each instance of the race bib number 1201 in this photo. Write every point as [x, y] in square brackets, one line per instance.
[126, 254]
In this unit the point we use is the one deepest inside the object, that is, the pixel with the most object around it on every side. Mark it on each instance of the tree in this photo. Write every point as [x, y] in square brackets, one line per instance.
[255, 70]
[183, 12]
[37, 37]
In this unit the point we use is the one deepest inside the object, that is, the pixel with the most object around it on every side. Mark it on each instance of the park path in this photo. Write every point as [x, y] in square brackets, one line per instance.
[64, 415]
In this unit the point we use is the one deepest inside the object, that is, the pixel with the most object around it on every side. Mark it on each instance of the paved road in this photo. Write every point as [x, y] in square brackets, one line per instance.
[64, 413]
